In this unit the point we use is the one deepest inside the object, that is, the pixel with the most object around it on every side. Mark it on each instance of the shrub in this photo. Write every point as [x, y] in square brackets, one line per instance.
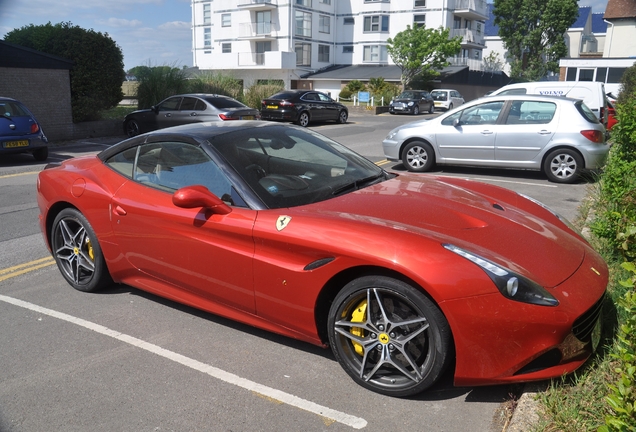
[628, 85]
[258, 92]
[345, 93]
[355, 86]
[159, 83]
[216, 83]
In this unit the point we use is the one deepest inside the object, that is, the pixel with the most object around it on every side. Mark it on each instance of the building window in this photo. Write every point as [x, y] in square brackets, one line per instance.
[303, 54]
[420, 3]
[226, 48]
[347, 48]
[304, 3]
[376, 23]
[478, 25]
[263, 22]
[303, 24]
[226, 20]
[419, 20]
[324, 24]
[207, 52]
[348, 21]
[327, 2]
[477, 54]
[207, 37]
[457, 22]
[375, 53]
[207, 13]
[323, 53]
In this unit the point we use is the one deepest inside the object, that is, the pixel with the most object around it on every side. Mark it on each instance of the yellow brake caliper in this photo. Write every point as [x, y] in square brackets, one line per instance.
[89, 248]
[358, 315]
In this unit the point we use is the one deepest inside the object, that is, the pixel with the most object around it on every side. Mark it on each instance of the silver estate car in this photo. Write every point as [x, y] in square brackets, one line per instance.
[558, 135]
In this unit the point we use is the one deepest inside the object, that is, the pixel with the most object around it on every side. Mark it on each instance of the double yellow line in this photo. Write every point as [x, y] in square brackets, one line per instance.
[21, 269]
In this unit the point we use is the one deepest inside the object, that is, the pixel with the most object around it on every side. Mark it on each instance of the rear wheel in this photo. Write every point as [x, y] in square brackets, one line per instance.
[563, 166]
[431, 110]
[303, 119]
[418, 156]
[388, 336]
[450, 107]
[77, 252]
[41, 154]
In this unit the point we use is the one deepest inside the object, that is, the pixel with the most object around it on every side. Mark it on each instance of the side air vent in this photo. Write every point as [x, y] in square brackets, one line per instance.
[498, 207]
[318, 263]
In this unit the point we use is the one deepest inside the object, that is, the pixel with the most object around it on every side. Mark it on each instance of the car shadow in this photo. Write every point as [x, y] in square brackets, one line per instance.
[27, 160]
[587, 177]
[443, 389]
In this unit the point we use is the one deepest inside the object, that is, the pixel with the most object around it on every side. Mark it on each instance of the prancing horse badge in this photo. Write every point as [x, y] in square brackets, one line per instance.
[282, 222]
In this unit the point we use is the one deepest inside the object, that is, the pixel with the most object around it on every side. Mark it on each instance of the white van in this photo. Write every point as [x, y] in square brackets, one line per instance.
[591, 93]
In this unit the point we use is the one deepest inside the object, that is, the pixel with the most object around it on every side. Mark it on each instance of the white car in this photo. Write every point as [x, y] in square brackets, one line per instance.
[560, 136]
[447, 99]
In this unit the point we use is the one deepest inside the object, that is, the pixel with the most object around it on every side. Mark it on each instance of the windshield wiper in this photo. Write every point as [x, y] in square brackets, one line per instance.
[358, 184]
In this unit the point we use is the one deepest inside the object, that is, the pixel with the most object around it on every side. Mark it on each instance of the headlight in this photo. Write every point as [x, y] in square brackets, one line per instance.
[510, 284]
[557, 215]
[411, 103]
[392, 134]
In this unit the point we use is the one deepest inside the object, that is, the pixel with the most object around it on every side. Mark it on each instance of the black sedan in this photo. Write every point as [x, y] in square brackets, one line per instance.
[302, 107]
[187, 108]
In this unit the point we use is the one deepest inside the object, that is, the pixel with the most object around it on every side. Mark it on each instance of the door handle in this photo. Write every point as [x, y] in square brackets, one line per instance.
[486, 132]
[167, 115]
[544, 132]
[119, 211]
[193, 114]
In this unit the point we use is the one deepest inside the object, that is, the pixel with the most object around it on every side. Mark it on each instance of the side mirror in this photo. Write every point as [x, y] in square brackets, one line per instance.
[199, 196]
[457, 122]
[155, 109]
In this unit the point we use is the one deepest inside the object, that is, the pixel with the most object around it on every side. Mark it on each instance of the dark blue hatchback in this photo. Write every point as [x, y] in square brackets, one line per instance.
[20, 132]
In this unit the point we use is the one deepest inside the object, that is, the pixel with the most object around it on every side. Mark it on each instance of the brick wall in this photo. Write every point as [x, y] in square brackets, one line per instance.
[46, 92]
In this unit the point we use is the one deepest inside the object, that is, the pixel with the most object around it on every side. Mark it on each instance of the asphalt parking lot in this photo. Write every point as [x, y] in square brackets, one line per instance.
[126, 360]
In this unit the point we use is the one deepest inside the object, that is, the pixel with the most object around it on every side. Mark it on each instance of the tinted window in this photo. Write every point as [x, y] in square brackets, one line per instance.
[123, 162]
[187, 104]
[483, 114]
[439, 95]
[12, 109]
[221, 103]
[170, 166]
[517, 91]
[283, 95]
[171, 104]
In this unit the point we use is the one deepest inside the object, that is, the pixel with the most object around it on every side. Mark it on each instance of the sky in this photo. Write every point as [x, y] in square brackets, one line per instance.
[149, 32]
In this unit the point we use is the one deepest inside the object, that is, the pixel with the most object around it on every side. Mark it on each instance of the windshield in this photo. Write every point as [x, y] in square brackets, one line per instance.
[439, 95]
[407, 95]
[288, 166]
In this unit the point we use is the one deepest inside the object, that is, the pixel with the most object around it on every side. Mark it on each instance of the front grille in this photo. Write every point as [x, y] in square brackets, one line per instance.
[584, 324]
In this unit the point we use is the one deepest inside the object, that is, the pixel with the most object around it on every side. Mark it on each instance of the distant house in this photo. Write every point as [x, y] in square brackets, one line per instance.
[42, 82]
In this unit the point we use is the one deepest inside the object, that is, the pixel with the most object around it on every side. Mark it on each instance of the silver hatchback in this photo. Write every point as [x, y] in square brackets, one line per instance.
[558, 135]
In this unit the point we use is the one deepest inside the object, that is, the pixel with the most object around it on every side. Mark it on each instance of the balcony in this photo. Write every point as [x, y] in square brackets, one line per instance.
[471, 9]
[257, 30]
[267, 60]
[258, 5]
[470, 38]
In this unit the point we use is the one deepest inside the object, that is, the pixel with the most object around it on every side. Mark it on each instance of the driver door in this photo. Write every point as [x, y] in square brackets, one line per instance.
[190, 251]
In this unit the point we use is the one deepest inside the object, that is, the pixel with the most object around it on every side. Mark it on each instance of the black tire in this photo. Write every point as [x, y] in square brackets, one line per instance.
[132, 128]
[342, 117]
[41, 154]
[450, 107]
[431, 110]
[563, 166]
[77, 252]
[303, 119]
[418, 156]
[416, 109]
[375, 349]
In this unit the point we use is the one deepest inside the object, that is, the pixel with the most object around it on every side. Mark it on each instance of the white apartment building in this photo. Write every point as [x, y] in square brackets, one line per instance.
[290, 39]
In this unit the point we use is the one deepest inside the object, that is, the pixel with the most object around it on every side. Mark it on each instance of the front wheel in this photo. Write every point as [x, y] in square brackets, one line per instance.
[418, 156]
[303, 119]
[563, 166]
[77, 252]
[416, 110]
[41, 154]
[342, 117]
[132, 128]
[388, 336]
[450, 107]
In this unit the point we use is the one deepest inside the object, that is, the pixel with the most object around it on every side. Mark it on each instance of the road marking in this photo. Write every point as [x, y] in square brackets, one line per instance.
[382, 162]
[510, 181]
[19, 174]
[230, 378]
[21, 269]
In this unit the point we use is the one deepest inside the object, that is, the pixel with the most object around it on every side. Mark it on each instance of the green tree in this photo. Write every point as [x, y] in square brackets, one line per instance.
[533, 33]
[422, 51]
[98, 63]
[628, 86]
[492, 62]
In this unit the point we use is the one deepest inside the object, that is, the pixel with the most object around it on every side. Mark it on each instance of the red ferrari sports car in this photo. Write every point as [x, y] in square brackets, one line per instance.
[284, 229]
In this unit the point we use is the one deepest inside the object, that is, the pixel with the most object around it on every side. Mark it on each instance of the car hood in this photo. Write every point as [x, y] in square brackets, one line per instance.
[404, 100]
[489, 222]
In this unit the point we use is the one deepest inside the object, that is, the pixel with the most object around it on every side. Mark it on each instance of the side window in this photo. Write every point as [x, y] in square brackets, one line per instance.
[517, 91]
[169, 166]
[171, 104]
[188, 104]
[200, 105]
[324, 98]
[483, 114]
[123, 162]
[531, 112]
